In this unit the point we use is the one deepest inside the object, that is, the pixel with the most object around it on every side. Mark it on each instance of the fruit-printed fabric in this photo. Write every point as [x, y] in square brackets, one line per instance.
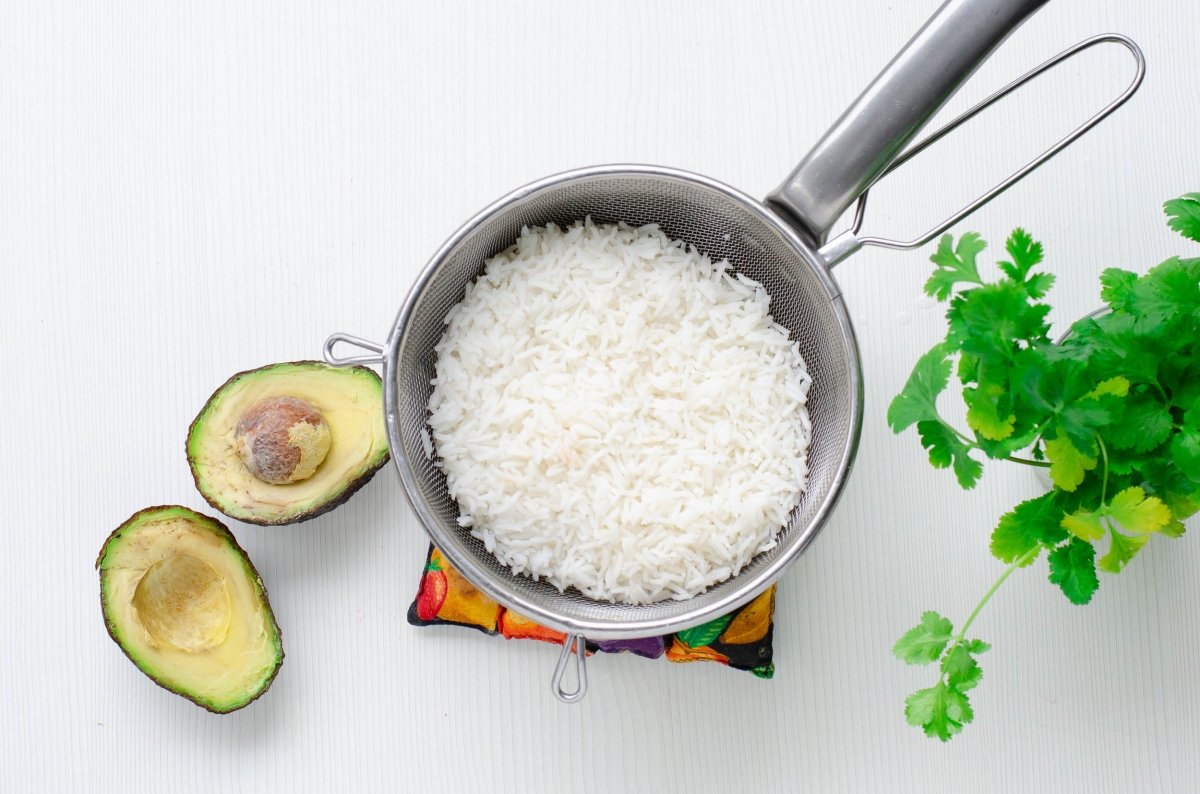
[741, 640]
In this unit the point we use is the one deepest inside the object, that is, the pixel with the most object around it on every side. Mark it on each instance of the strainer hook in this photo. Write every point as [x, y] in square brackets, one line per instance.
[335, 360]
[578, 644]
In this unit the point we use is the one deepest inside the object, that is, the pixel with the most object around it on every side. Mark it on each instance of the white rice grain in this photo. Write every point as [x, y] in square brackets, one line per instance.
[616, 413]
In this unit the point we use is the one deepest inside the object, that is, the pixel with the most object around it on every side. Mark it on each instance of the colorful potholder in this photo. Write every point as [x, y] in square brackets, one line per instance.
[741, 639]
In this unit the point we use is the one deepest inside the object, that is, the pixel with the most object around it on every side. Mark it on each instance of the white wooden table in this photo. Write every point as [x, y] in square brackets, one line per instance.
[191, 189]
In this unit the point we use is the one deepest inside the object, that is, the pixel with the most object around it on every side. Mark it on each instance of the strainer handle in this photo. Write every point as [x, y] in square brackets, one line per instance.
[349, 361]
[577, 644]
[892, 110]
[850, 241]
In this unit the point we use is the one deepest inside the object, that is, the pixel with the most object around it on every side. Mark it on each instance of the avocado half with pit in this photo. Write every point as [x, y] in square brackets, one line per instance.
[287, 442]
[185, 604]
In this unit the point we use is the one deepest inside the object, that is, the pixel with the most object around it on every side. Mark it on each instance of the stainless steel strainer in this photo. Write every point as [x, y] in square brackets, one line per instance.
[780, 243]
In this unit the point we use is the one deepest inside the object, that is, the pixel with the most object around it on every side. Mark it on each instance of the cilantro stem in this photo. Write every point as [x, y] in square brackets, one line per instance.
[1104, 485]
[965, 438]
[972, 444]
[1017, 563]
[1039, 463]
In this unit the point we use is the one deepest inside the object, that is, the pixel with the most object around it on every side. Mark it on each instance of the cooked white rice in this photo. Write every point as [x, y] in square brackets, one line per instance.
[616, 413]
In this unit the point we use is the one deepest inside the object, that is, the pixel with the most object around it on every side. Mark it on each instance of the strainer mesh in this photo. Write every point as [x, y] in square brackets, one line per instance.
[717, 223]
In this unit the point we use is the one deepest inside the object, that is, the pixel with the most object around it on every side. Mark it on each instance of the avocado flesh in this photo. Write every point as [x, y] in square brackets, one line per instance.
[185, 604]
[350, 399]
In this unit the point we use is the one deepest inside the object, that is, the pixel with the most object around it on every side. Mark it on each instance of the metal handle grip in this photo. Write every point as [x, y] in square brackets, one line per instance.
[335, 339]
[577, 644]
[892, 110]
[1020, 173]
[848, 242]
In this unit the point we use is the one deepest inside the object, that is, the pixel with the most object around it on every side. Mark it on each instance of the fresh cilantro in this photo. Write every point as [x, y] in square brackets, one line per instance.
[1135, 511]
[1068, 464]
[1173, 529]
[977, 646]
[1029, 526]
[988, 411]
[925, 642]
[991, 321]
[942, 709]
[1116, 288]
[1113, 411]
[960, 668]
[1026, 253]
[1169, 293]
[1073, 569]
[1121, 551]
[918, 401]
[1145, 423]
[1113, 387]
[1182, 505]
[954, 265]
[1185, 450]
[946, 449]
[1184, 214]
[1084, 524]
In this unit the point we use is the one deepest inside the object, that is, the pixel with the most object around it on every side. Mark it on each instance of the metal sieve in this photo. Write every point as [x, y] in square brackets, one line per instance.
[780, 243]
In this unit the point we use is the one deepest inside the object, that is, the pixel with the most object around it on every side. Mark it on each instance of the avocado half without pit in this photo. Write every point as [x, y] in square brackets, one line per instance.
[287, 442]
[185, 604]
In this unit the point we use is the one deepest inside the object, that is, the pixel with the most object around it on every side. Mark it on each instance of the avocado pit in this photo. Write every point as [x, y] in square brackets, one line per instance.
[282, 440]
[182, 603]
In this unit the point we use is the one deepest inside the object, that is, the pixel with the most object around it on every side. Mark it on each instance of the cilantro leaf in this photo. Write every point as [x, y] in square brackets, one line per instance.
[1121, 551]
[961, 670]
[1067, 463]
[1055, 387]
[1039, 284]
[1182, 505]
[1174, 529]
[1112, 345]
[1185, 451]
[1084, 524]
[1116, 288]
[984, 412]
[1026, 253]
[1034, 522]
[977, 647]
[968, 368]
[1168, 292]
[917, 402]
[940, 710]
[1073, 569]
[1135, 511]
[924, 643]
[1184, 214]
[1080, 419]
[1115, 387]
[988, 321]
[947, 449]
[1144, 424]
[954, 265]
